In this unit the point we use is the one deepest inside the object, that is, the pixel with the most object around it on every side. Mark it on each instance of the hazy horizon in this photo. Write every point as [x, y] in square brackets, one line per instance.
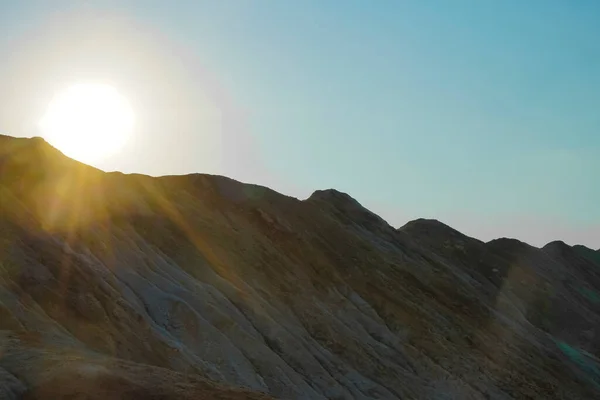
[482, 115]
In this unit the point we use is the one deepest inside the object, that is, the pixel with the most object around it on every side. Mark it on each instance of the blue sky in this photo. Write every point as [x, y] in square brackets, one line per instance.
[483, 114]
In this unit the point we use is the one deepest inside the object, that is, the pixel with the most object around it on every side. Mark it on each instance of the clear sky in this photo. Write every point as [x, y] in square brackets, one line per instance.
[484, 114]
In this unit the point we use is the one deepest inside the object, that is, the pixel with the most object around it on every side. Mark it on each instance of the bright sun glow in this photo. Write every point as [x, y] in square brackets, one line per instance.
[88, 121]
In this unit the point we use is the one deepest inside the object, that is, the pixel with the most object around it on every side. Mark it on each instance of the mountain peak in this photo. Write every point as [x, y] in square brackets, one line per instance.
[9, 144]
[350, 208]
[592, 255]
[340, 200]
[34, 153]
[332, 195]
[557, 245]
[429, 227]
[558, 248]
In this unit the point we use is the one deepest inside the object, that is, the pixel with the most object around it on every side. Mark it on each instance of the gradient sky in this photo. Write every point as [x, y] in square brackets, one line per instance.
[484, 114]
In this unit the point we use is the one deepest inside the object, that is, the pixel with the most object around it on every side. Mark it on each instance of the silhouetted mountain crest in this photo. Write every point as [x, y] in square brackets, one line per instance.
[431, 228]
[592, 255]
[558, 247]
[558, 244]
[573, 255]
[346, 207]
[334, 197]
[509, 244]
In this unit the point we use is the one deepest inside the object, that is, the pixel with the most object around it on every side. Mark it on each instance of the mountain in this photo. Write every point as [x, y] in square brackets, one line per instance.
[199, 286]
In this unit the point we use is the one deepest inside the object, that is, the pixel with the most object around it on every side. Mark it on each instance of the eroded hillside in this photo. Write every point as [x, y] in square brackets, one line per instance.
[198, 286]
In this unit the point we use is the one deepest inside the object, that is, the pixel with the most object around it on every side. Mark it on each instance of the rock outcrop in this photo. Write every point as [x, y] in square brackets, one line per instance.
[199, 286]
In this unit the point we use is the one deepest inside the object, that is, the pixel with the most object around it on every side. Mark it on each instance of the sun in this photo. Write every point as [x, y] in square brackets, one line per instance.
[88, 121]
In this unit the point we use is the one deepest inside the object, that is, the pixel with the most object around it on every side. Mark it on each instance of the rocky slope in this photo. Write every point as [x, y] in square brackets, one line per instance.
[127, 286]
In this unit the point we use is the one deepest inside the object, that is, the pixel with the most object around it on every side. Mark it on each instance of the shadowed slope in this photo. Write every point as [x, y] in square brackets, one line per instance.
[179, 279]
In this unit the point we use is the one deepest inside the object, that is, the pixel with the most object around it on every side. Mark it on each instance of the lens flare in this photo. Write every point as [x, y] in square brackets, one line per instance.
[88, 121]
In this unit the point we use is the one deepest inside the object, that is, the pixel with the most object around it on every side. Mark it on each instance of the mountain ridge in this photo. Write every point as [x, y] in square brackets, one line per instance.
[329, 195]
[200, 285]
